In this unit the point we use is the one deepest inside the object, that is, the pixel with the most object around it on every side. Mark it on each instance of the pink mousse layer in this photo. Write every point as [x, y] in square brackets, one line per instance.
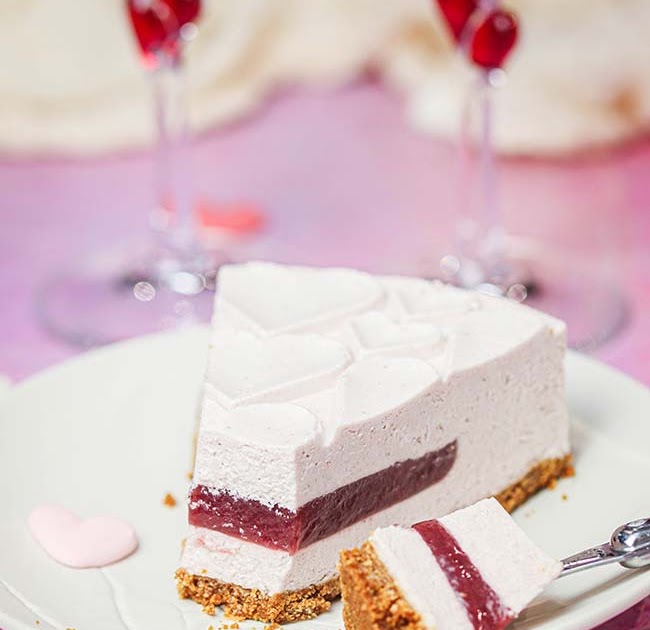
[484, 607]
[277, 527]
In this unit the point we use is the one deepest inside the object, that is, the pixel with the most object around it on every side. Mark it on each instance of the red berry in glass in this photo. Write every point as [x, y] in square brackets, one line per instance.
[494, 39]
[169, 278]
[157, 24]
[457, 14]
[186, 10]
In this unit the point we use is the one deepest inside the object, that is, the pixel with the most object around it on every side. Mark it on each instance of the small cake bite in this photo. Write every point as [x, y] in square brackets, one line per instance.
[474, 569]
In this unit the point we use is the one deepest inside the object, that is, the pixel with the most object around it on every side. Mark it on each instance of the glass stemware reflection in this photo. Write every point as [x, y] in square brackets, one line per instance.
[169, 281]
[161, 28]
[485, 256]
[485, 35]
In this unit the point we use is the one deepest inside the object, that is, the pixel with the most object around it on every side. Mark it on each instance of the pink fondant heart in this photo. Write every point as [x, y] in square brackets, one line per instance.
[79, 543]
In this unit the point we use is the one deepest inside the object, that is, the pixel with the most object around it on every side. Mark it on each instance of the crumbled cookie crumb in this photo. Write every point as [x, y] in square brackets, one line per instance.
[37, 622]
[190, 476]
[169, 500]
[564, 497]
[273, 626]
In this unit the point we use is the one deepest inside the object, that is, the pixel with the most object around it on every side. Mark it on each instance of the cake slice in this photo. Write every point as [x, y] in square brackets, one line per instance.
[337, 402]
[473, 569]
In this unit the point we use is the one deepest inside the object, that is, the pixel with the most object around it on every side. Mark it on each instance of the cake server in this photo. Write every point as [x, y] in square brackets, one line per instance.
[629, 546]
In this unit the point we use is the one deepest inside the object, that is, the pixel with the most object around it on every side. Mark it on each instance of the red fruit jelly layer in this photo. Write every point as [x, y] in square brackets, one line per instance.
[277, 527]
[484, 608]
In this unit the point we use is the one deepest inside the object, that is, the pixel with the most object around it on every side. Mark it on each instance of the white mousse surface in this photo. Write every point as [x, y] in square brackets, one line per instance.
[514, 567]
[320, 377]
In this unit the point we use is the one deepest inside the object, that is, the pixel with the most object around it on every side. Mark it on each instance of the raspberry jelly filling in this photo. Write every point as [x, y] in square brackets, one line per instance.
[483, 606]
[277, 527]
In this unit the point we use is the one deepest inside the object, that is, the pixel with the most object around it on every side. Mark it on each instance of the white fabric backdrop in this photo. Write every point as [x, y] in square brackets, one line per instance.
[70, 82]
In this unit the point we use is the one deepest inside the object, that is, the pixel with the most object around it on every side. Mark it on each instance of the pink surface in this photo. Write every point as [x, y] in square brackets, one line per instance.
[344, 181]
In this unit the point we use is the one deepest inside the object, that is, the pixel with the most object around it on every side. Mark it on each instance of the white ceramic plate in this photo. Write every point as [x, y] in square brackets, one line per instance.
[111, 432]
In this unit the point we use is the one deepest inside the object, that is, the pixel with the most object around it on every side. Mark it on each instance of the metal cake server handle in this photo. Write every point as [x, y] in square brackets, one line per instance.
[629, 546]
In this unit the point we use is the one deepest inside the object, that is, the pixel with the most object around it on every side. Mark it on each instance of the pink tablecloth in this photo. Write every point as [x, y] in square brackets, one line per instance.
[343, 181]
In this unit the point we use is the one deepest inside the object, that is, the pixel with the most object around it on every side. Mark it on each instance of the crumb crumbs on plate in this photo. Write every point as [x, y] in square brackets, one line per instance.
[190, 476]
[169, 500]
[564, 497]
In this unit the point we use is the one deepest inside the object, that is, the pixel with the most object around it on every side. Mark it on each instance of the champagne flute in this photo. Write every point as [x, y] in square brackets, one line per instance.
[169, 281]
[484, 258]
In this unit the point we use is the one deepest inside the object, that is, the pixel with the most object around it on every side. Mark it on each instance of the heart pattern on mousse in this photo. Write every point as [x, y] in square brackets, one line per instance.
[424, 300]
[376, 332]
[289, 299]
[243, 368]
[79, 543]
[377, 384]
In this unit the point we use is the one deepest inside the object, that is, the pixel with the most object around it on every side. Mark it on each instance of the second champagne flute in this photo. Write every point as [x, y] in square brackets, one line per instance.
[168, 281]
[486, 257]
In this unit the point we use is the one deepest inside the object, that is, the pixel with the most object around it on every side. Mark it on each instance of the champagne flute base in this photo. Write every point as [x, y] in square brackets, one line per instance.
[572, 288]
[112, 297]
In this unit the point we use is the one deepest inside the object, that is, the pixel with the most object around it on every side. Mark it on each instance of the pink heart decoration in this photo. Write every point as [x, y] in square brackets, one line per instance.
[78, 543]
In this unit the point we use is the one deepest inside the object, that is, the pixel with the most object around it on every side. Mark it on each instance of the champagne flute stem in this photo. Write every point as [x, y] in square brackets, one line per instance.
[466, 160]
[493, 235]
[173, 219]
[489, 200]
[480, 231]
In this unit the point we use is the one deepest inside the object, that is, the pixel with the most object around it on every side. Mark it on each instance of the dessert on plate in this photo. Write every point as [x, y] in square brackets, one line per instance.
[337, 402]
[474, 568]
